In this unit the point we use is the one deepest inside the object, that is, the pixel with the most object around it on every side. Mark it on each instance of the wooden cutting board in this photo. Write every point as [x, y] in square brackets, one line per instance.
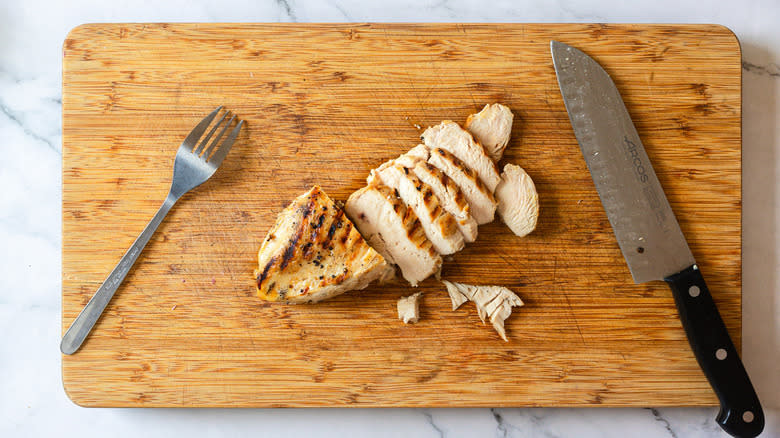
[323, 105]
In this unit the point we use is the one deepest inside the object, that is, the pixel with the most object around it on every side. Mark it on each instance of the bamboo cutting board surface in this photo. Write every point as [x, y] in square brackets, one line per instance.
[323, 105]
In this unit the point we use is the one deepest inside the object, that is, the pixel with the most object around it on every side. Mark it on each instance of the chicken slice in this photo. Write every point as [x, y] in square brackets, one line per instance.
[313, 252]
[450, 196]
[409, 308]
[518, 202]
[482, 204]
[394, 231]
[451, 137]
[493, 302]
[439, 225]
[492, 127]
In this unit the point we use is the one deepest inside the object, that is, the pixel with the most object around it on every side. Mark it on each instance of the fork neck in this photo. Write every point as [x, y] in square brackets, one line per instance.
[174, 194]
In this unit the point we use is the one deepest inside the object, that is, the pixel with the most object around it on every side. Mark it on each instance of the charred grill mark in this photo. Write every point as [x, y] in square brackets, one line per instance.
[415, 232]
[449, 225]
[436, 211]
[308, 208]
[408, 217]
[307, 249]
[445, 180]
[289, 252]
[261, 278]
[337, 279]
[318, 224]
[459, 197]
[337, 223]
[406, 170]
[427, 196]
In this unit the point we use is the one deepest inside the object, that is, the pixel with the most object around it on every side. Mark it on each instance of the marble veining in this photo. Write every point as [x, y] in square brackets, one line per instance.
[33, 401]
[772, 70]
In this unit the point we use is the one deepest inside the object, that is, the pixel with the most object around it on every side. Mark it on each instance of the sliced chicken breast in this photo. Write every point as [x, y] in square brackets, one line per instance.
[313, 252]
[451, 137]
[482, 204]
[450, 196]
[439, 225]
[492, 127]
[518, 202]
[394, 231]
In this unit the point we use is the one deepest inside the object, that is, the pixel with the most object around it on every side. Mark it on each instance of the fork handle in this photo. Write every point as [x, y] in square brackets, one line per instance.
[83, 324]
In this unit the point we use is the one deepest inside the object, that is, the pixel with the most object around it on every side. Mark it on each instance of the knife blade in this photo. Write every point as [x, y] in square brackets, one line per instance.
[647, 231]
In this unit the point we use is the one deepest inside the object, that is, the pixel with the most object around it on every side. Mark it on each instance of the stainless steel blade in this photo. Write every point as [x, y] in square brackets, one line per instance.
[643, 221]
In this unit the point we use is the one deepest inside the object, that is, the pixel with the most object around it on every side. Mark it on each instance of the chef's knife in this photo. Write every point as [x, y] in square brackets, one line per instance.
[646, 229]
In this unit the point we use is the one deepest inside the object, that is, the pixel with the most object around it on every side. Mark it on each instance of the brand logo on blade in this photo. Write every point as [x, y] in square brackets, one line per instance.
[653, 199]
[633, 154]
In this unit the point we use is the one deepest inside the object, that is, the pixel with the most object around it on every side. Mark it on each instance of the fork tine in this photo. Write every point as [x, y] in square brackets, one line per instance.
[214, 143]
[198, 130]
[223, 150]
[206, 139]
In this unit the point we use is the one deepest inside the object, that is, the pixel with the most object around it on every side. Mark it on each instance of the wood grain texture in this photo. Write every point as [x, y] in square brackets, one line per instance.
[326, 103]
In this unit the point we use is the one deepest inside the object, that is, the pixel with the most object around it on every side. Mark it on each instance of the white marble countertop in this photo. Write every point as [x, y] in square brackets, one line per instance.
[33, 402]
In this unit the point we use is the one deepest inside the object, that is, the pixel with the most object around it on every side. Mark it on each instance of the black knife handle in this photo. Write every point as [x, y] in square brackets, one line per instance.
[740, 411]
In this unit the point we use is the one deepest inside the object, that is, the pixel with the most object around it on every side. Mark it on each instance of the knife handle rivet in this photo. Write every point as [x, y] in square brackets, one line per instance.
[721, 354]
[748, 417]
[640, 250]
[694, 291]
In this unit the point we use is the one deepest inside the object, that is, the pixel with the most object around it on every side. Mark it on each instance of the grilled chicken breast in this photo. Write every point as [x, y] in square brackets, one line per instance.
[492, 127]
[394, 231]
[439, 225]
[313, 252]
[451, 137]
[482, 204]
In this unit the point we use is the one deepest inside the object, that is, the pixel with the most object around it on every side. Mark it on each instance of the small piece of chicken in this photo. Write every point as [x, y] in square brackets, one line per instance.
[493, 302]
[313, 252]
[394, 231]
[451, 137]
[482, 203]
[409, 308]
[492, 127]
[439, 225]
[518, 202]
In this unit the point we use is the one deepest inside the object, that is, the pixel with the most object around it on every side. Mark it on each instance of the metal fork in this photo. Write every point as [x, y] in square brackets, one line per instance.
[195, 163]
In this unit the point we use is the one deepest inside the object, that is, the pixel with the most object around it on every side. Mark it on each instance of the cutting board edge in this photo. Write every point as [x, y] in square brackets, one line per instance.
[83, 401]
